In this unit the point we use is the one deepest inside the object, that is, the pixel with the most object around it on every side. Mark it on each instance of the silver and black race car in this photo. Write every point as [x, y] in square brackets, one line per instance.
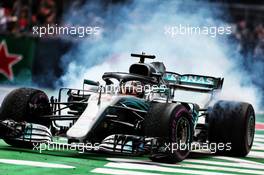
[135, 113]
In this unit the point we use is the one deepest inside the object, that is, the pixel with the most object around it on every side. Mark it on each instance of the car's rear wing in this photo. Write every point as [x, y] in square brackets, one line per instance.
[192, 82]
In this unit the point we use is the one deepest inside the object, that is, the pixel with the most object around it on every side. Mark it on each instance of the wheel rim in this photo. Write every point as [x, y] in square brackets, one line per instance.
[182, 131]
[250, 130]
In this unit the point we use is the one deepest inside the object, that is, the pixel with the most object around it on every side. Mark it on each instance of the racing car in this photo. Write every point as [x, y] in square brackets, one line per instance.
[134, 113]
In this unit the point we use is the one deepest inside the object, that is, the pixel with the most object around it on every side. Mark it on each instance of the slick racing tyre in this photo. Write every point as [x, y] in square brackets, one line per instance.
[233, 124]
[172, 124]
[25, 105]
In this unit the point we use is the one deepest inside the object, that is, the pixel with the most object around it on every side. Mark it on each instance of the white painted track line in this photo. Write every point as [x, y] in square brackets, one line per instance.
[258, 144]
[218, 168]
[120, 172]
[257, 139]
[256, 148]
[256, 154]
[138, 166]
[228, 164]
[34, 163]
[235, 166]
[239, 160]
[259, 136]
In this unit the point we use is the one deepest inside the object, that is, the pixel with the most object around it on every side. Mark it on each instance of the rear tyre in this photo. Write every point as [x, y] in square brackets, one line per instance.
[232, 124]
[25, 105]
[172, 124]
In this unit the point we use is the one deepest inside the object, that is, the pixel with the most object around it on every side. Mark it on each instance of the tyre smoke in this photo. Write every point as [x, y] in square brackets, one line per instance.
[140, 26]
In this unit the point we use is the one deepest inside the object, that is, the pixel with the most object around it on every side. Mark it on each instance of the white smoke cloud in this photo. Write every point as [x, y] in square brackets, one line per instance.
[139, 26]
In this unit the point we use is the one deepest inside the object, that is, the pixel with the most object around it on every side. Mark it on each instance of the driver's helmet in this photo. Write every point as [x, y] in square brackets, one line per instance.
[135, 88]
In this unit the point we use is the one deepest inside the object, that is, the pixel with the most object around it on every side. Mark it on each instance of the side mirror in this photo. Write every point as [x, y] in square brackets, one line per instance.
[157, 76]
[108, 81]
[90, 82]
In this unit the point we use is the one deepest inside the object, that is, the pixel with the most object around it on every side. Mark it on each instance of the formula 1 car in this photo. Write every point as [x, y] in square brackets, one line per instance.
[139, 116]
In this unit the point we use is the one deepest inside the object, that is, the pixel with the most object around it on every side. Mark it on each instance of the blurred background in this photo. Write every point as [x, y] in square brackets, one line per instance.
[47, 61]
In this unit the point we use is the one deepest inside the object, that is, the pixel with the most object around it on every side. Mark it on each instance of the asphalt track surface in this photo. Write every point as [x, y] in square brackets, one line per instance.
[15, 161]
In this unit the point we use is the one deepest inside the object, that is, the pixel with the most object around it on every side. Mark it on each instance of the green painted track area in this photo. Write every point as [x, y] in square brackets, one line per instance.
[15, 161]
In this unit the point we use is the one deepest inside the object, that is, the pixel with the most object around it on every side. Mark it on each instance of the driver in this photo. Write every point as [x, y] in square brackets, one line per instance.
[134, 92]
[134, 88]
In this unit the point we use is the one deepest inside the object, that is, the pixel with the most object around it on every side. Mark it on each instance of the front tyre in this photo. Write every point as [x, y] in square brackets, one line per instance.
[25, 105]
[172, 124]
